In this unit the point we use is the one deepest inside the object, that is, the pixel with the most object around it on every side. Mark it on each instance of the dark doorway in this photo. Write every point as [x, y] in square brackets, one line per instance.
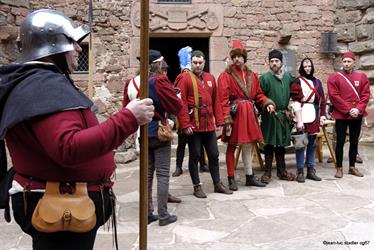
[169, 47]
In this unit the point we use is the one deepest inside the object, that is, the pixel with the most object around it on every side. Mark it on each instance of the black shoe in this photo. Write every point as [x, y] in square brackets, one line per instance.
[251, 180]
[312, 175]
[300, 175]
[204, 168]
[168, 220]
[232, 183]
[152, 218]
[178, 172]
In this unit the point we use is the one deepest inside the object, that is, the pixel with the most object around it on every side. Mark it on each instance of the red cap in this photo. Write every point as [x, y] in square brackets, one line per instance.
[236, 44]
[349, 54]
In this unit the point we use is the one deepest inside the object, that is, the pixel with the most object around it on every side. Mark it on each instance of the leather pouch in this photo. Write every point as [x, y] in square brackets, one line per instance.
[64, 211]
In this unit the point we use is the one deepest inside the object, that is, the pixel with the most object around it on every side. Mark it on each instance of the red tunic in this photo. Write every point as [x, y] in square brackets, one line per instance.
[68, 146]
[243, 89]
[211, 107]
[342, 96]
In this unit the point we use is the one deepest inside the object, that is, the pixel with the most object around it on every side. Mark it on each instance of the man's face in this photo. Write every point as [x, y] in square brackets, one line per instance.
[348, 64]
[275, 65]
[307, 65]
[238, 60]
[72, 57]
[198, 64]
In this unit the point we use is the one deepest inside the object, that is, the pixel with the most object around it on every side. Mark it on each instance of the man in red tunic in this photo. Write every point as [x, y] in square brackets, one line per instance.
[349, 93]
[201, 109]
[239, 90]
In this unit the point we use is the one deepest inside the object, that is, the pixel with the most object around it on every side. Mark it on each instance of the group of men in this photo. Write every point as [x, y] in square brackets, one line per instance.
[232, 108]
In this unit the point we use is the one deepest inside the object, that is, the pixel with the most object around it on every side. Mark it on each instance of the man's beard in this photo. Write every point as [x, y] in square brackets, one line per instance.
[275, 69]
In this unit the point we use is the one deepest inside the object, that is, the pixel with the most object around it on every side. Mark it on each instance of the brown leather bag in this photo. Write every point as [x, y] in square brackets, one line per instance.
[165, 132]
[57, 211]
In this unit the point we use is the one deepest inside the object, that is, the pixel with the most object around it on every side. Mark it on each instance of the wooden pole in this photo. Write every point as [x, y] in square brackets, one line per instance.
[91, 61]
[143, 183]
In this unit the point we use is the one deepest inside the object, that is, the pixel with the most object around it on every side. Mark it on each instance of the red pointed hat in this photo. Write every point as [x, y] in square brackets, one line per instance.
[238, 49]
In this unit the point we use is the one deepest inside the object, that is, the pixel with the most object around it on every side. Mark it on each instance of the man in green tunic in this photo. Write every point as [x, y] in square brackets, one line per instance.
[275, 128]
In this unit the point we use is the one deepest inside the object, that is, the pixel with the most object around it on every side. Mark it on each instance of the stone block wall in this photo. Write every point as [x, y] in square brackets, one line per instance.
[354, 24]
[259, 24]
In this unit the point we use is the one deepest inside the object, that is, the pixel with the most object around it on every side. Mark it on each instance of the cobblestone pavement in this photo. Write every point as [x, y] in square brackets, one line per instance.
[331, 214]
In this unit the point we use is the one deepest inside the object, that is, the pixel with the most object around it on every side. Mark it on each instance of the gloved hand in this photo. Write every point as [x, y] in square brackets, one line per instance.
[143, 110]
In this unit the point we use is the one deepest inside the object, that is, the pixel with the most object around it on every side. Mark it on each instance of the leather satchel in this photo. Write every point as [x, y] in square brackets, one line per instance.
[58, 211]
[165, 132]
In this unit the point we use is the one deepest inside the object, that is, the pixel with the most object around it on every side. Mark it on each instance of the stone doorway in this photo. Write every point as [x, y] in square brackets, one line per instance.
[169, 47]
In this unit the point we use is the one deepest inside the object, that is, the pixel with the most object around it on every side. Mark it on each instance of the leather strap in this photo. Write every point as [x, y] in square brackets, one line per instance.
[314, 91]
[196, 97]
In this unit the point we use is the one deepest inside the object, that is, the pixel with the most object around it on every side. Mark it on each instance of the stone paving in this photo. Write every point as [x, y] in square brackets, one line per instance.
[331, 214]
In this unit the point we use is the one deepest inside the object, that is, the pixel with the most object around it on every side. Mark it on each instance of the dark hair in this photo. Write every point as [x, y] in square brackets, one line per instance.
[302, 70]
[197, 53]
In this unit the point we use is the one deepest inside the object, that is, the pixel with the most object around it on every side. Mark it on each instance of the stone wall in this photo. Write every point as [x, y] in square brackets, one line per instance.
[260, 24]
[12, 13]
[354, 24]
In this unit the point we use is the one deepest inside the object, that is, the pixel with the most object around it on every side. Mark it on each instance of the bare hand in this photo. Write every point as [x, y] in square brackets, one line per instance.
[142, 110]
[270, 108]
[188, 131]
[300, 126]
[354, 112]
[322, 120]
[219, 131]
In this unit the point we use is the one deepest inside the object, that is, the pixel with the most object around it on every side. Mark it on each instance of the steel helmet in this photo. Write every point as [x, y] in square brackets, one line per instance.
[47, 32]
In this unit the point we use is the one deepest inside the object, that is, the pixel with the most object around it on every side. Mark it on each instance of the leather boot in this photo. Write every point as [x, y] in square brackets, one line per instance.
[220, 188]
[251, 180]
[178, 172]
[266, 177]
[281, 169]
[198, 191]
[339, 172]
[173, 199]
[354, 171]
[232, 183]
[300, 175]
[312, 174]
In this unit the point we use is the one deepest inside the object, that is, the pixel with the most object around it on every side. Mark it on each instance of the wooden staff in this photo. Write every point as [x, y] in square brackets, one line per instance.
[328, 141]
[91, 63]
[143, 183]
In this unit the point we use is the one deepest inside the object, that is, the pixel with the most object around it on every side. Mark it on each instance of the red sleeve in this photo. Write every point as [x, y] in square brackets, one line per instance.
[66, 138]
[335, 97]
[224, 93]
[166, 93]
[322, 100]
[217, 105]
[125, 99]
[183, 116]
[296, 92]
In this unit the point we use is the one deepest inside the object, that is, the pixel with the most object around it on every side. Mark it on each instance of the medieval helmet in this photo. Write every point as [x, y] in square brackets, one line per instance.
[47, 32]
[299, 139]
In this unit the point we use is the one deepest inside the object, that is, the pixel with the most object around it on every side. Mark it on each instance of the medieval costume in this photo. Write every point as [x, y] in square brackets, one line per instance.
[240, 90]
[309, 100]
[349, 91]
[275, 126]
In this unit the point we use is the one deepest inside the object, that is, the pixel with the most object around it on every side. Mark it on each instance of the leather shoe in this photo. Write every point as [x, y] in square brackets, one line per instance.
[168, 220]
[198, 192]
[173, 199]
[354, 171]
[220, 188]
[178, 172]
[152, 218]
[339, 172]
